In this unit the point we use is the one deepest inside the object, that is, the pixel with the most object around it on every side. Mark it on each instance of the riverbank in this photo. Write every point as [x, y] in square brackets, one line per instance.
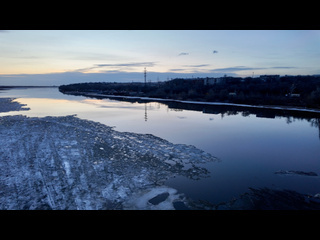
[289, 91]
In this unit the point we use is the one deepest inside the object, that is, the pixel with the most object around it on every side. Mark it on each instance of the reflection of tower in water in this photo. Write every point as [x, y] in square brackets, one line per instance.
[145, 112]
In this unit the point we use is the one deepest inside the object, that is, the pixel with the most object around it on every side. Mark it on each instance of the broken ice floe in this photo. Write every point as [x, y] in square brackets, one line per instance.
[270, 199]
[69, 163]
[8, 105]
[293, 172]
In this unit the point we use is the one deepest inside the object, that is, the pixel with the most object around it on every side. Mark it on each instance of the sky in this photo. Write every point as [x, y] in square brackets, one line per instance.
[56, 57]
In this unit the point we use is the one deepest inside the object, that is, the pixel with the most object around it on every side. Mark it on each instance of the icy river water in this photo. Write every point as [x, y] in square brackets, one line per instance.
[252, 145]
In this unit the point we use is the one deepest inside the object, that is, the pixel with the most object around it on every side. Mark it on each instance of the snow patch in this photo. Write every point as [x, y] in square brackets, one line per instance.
[115, 191]
[141, 200]
[66, 166]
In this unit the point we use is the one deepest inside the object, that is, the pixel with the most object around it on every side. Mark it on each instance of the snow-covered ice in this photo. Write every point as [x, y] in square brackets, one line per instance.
[70, 163]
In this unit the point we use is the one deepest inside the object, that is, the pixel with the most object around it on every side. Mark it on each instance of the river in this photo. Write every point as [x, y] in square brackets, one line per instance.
[251, 144]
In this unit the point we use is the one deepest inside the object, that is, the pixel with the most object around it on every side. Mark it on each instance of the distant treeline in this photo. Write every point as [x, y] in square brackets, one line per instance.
[302, 91]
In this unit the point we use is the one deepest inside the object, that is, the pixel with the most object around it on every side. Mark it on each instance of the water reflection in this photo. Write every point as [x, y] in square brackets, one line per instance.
[312, 117]
[145, 112]
[315, 123]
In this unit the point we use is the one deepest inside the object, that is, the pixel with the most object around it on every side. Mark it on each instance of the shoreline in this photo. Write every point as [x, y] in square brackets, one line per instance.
[276, 107]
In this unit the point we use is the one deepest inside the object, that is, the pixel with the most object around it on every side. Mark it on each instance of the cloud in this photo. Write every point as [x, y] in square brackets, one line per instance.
[196, 66]
[284, 67]
[235, 69]
[76, 55]
[176, 70]
[4, 31]
[49, 79]
[137, 64]
[116, 65]
[183, 54]
[244, 68]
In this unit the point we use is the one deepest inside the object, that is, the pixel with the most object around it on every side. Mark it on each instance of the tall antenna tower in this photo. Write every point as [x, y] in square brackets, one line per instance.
[145, 76]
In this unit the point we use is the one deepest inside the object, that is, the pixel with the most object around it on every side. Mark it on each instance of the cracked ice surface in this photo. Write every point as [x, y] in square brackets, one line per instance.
[69, 163]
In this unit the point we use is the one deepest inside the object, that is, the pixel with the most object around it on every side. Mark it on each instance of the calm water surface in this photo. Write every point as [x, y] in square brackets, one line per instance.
[250, 147]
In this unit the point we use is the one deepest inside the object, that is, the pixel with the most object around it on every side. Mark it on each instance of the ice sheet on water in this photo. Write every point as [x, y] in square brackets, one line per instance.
[39, 172]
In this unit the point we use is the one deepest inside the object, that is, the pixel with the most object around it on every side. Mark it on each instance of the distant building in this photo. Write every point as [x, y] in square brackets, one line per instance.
[269, 78]
[222, 80]
[213, 81]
